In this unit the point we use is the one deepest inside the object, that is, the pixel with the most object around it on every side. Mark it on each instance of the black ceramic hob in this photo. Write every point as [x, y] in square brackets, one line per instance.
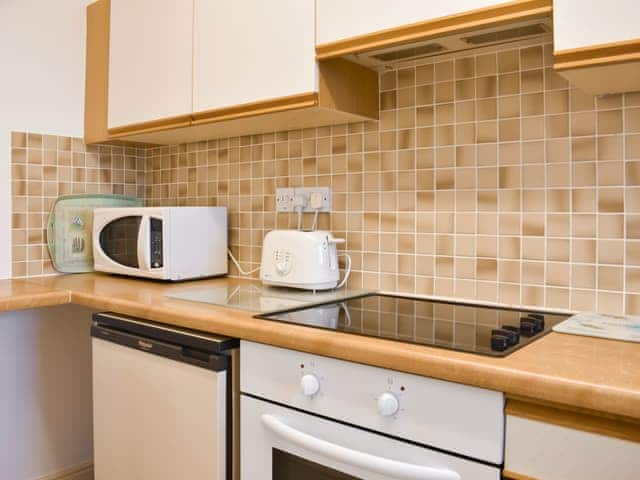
[471, 328]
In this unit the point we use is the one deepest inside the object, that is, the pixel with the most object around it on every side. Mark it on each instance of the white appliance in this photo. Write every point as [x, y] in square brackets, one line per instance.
[163, 402]
[164, 243]
[299, 259]
[308, 416]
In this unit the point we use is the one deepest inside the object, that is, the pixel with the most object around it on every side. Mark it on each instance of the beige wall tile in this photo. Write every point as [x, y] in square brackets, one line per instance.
[487, 177]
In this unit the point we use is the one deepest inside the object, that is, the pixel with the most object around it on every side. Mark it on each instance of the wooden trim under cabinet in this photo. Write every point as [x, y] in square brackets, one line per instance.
[578, 419]
[302, 100]
[507, 475]
[487, 17]
[151, 126]
[597, 55]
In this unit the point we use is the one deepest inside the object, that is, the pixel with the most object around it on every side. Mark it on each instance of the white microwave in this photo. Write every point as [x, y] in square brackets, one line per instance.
[164, 243]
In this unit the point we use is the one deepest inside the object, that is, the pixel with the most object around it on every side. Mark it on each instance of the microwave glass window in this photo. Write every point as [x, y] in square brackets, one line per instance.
[119, 240]
[156, 243]
[290, 467]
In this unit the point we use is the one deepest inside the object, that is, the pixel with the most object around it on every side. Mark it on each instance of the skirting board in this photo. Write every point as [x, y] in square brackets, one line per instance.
[82, 471]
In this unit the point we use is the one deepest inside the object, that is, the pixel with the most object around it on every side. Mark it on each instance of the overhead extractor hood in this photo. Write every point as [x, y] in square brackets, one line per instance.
[460, 42]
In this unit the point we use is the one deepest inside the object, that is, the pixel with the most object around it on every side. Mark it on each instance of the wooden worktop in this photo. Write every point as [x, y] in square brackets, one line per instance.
[19, 295]
[579, 372]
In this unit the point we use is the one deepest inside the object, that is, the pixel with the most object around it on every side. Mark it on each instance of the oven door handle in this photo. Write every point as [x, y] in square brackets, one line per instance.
[378, 465]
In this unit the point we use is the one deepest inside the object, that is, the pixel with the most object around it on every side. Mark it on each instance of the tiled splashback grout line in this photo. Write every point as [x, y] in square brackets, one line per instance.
[486, 178]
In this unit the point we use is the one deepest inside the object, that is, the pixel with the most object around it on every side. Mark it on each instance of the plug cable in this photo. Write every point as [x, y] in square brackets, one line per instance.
[237, 264]
[347, 270]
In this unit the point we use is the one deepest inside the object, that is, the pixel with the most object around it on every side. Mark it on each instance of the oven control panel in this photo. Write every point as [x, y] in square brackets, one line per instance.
[425, 410]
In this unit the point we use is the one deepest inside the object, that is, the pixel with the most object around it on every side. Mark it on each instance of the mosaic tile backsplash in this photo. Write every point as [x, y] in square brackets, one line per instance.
[486, 178]
[46, 166]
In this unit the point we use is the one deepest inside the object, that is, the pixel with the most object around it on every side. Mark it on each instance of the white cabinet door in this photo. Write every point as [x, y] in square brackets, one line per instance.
[551, 452]
[247, 51]
[156, 418]
[150, 60]
[580, 24]
[340, 19]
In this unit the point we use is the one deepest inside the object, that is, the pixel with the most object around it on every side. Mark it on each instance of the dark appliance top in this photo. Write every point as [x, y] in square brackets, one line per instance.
[485, 330]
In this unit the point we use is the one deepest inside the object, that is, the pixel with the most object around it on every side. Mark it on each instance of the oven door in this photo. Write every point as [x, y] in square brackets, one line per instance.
[279, 443]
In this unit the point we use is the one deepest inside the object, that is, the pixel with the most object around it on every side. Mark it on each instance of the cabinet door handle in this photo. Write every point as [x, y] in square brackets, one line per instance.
[374, 464]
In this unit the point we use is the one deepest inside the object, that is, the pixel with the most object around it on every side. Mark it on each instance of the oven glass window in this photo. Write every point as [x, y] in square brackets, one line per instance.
[119, 240]
[290, 467]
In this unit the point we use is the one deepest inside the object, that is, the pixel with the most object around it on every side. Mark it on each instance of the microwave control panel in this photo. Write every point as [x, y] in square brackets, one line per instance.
[156, 242]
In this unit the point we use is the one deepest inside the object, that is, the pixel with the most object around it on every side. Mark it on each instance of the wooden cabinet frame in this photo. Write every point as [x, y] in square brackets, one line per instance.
[96, 90]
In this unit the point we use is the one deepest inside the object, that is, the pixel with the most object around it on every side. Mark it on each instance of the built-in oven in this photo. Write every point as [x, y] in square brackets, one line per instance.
[315, 418]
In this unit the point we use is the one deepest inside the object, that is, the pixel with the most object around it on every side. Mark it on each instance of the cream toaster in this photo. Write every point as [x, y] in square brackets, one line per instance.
[298, 259]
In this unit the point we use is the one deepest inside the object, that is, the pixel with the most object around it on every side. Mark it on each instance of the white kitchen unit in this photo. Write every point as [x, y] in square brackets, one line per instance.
[163, 405]
[338, 20]
[581, 24]
[597, 44]
[150, 61]
[247, 51]
[174, 71]
[539, 450]
[308, 416]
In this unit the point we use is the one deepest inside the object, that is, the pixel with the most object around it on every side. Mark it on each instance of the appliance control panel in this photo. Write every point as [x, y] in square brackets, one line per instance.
[283, 261]
[156, 247]
[458, 418]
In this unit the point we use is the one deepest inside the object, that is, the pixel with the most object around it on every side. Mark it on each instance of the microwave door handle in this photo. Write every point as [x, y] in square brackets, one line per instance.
[143, 244]
[372, 463]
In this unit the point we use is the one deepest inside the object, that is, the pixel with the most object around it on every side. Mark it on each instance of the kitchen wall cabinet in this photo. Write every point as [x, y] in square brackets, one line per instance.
[338, 20]
[150, 61]
[172, 71]
[363, 25]
[545, 442]
[246, 51]
[597, 44]
[585, 24]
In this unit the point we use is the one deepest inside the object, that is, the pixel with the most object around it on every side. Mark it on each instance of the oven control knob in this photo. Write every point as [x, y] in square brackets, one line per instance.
[388, 404]
[309, 384]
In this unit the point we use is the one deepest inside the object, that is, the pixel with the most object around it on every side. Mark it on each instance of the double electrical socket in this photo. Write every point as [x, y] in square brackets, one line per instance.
[286, 199]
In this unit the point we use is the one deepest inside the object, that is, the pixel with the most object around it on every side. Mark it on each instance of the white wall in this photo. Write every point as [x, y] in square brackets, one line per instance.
[45, 359]
[41, 85]
[45, 391]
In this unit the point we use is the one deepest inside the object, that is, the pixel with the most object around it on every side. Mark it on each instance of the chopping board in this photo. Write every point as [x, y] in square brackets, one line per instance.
[625, 328]
[70, 229]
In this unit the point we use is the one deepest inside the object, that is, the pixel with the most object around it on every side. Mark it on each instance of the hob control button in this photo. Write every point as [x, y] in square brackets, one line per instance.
[538, 319]
[499, 343]
[528, 327]
[309, 384]
[513, 329]
[512, 337]
[388, 404]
